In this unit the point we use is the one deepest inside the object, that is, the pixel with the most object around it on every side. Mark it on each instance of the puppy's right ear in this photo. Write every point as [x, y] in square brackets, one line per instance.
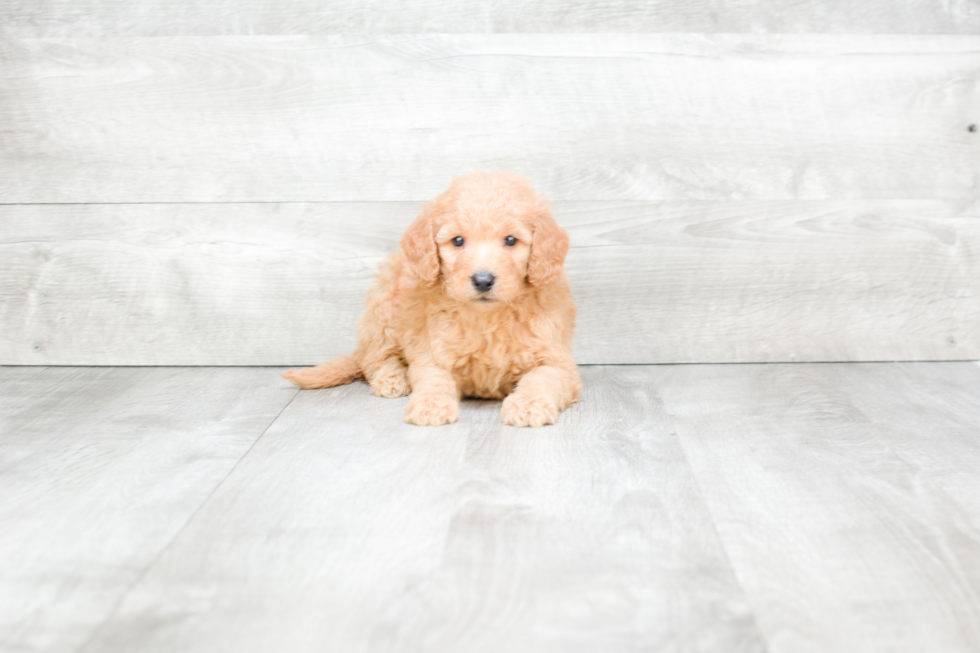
[419, 246]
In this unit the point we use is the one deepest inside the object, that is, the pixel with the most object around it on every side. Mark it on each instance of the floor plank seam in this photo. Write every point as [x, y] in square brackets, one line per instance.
[122, 597]
[714, 528]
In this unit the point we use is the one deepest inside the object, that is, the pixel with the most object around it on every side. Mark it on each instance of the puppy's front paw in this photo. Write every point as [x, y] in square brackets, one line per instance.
[390, 384]
[520, 410]
[431, 410]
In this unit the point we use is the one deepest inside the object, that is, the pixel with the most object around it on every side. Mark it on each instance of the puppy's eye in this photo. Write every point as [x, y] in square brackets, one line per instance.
[458, 241]
[510, 241]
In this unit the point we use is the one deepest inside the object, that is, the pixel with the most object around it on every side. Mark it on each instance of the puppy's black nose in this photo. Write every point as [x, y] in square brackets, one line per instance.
[483, 281]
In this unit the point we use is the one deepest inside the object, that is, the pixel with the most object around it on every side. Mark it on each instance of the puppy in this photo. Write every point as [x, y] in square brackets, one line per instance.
[476, 304]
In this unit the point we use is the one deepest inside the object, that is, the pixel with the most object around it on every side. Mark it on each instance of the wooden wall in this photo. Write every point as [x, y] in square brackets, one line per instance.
[212, 183]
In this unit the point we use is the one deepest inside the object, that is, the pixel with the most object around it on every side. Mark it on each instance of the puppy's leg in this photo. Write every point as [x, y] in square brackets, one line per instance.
[389, 378]
[435, 396]
[378, 348]
[540, 395]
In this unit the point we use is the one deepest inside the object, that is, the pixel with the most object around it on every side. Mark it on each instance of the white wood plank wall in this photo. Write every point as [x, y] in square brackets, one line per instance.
[81, 18]
[223, 284]
[586, 117]
[213, 182]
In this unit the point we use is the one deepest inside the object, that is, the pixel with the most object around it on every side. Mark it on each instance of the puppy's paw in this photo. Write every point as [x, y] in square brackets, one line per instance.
[391, 383]
[431, 410]
[521, 410]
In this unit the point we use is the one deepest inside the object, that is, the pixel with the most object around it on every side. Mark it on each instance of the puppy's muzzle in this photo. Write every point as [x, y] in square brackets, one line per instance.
[483, 281]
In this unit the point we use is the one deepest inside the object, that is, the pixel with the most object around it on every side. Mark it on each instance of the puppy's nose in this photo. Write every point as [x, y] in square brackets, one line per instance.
[483, 281]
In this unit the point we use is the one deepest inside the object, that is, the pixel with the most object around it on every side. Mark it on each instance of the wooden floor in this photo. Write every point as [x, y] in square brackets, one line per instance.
[806, 507]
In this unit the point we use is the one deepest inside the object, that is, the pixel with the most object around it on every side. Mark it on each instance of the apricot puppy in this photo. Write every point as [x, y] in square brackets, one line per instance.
[475, 304]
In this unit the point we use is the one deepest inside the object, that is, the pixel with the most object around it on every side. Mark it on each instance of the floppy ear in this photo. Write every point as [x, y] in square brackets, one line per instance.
[419, 246]
[549, 244]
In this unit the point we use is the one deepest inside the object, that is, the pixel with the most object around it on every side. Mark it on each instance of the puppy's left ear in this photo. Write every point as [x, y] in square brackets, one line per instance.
[549, 245]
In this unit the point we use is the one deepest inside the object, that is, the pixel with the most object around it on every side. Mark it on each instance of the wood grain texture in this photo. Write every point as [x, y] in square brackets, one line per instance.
[346, 530]
[845, 496]
[655, 282]
[779, 508]
[85, 18]
[585, 117]
[99, 469]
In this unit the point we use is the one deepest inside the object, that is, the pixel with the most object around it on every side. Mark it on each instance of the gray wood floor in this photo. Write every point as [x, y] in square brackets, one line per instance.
[806, 507]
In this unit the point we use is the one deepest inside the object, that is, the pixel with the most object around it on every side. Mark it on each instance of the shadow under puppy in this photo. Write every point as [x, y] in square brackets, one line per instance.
[476, 304]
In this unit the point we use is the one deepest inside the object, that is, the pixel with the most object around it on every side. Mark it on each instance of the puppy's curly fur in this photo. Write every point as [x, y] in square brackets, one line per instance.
[435, 328]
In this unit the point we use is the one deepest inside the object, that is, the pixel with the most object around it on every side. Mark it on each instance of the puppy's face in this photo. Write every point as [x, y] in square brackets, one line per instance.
[486, 239]
[484, 257]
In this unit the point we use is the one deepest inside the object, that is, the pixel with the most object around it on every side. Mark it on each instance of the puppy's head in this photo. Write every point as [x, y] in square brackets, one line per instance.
[486, 238]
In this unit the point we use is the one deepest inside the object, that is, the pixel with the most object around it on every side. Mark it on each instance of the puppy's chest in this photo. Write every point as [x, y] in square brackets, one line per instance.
[487, 360]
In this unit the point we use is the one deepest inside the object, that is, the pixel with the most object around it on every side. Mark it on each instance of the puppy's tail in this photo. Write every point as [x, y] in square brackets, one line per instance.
[339, 371]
